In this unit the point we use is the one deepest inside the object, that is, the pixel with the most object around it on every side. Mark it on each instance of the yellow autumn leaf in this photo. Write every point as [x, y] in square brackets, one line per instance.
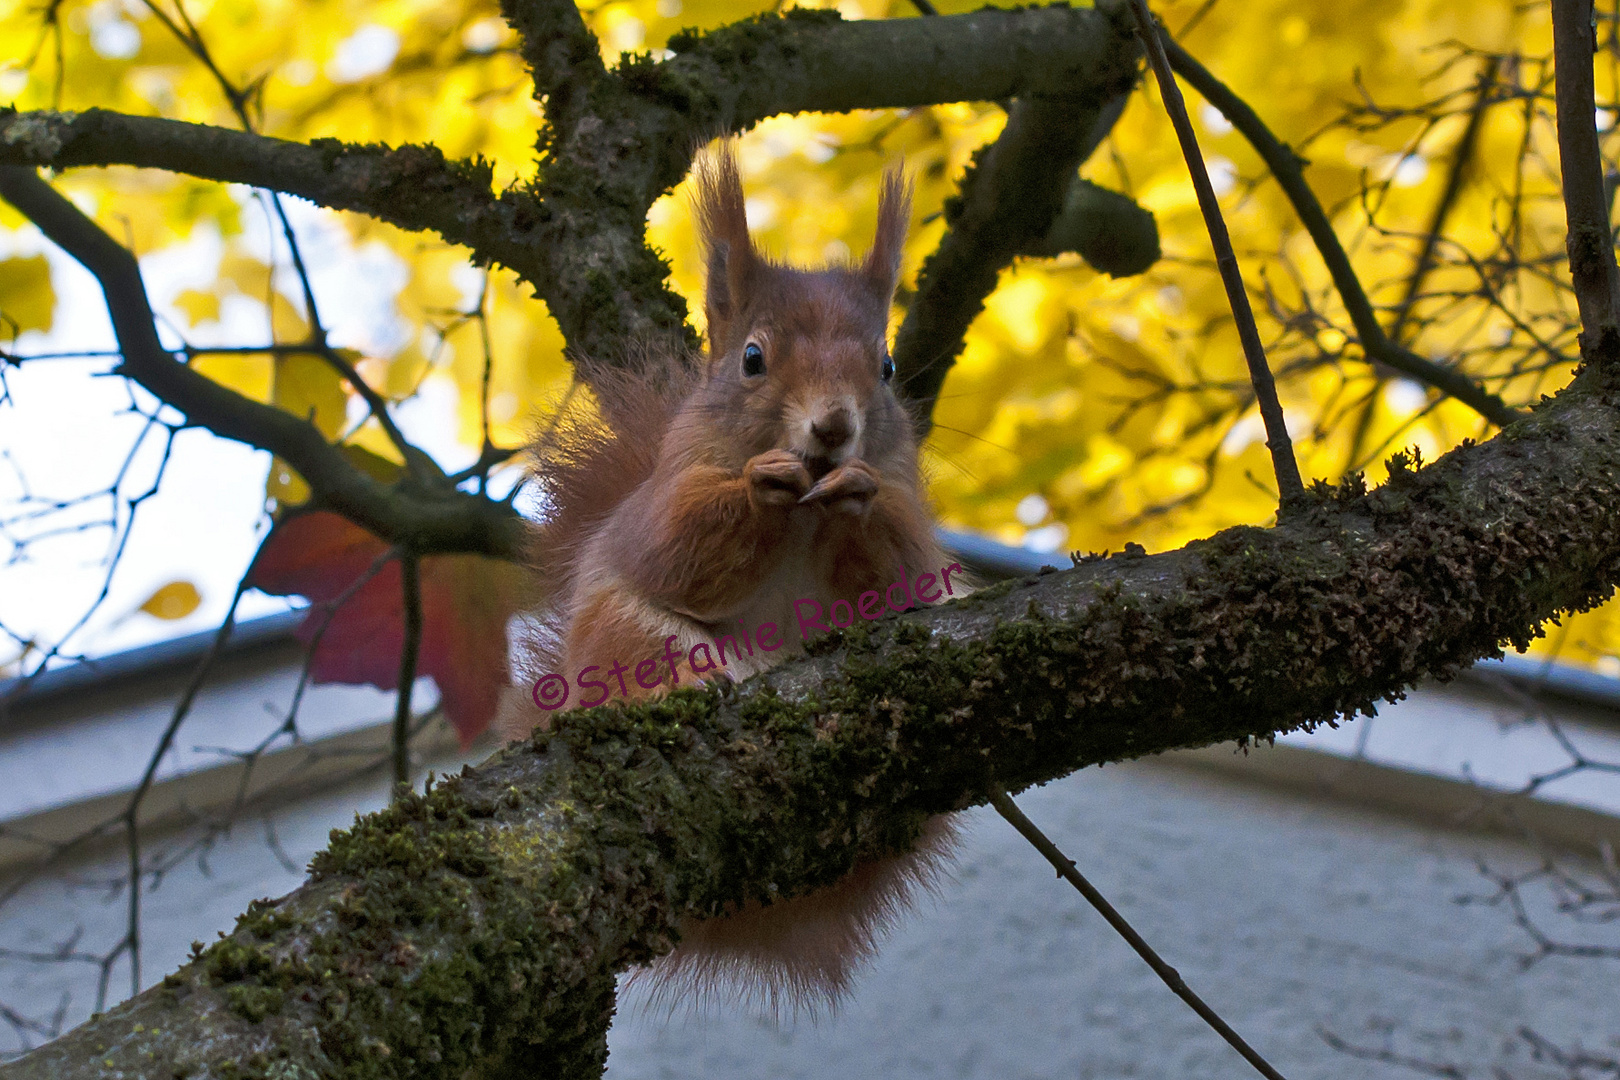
[198, 306]
[27, 300]
[308, 386]
[284, 487]
[175, 600]
[249, 374]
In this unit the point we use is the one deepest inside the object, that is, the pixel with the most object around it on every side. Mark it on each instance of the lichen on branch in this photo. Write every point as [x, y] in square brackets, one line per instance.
[475, 930]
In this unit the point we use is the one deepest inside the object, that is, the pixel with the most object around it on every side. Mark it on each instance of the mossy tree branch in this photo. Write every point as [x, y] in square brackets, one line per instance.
[812, 61]
[1013, 192]
[414, 187]
[562, 53]
[1109, 230]
[474, 932]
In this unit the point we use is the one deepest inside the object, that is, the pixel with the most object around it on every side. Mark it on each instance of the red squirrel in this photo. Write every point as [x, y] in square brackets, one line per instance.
[784, 467]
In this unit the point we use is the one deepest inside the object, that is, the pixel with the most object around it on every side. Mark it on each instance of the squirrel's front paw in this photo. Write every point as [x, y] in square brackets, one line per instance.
[847, 489]
[776, 478]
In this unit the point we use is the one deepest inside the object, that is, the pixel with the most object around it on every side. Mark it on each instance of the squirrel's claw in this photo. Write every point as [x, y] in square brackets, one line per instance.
[848, 488]
[776, 478]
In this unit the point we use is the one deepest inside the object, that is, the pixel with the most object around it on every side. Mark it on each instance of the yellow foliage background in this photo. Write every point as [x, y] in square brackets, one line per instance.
[1055, 394]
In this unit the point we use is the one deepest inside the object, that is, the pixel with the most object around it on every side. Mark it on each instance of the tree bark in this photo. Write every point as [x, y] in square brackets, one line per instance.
[470, 931]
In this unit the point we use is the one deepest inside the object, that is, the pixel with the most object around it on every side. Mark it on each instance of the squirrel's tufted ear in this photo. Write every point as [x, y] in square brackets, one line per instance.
[882, 266]
[728, 252]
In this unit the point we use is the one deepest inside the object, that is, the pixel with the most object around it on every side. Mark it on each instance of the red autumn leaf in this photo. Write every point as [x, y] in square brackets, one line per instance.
[466, 602]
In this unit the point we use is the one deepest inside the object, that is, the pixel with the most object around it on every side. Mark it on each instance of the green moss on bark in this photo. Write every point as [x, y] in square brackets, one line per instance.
[474, 930]
[717, 795]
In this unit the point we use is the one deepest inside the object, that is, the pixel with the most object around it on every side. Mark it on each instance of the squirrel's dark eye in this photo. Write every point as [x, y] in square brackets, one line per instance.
[888, 368]
[753, 360]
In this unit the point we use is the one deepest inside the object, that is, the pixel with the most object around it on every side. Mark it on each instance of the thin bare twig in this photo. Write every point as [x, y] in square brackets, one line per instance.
[1590, 242]
[182, 708]
[1290, 489]
[411, 596]
[1172, 978]
[1460, 160]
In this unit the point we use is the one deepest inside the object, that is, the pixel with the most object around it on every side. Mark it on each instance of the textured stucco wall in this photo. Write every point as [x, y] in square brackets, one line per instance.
[1288, 914]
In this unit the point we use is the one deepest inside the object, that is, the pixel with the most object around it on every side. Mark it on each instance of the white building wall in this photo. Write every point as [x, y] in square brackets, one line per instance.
[1293, 911]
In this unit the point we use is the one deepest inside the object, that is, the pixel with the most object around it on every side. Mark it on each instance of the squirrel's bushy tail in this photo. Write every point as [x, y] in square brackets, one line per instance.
[594, 450]
[799, 956]
[591, 456]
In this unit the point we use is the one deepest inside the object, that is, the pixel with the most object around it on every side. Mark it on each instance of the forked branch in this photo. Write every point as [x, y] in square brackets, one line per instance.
[1285, 166]
[428, 521]
[1012, 193]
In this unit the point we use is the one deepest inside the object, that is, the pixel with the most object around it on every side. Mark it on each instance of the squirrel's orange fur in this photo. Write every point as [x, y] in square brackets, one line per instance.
[723, 496]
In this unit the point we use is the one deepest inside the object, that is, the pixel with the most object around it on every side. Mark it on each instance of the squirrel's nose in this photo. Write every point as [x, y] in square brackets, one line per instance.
[833, 430]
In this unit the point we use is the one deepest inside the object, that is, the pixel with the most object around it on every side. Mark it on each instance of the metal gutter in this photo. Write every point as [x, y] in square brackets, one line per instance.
[1549, 679]
[158, 658]
[1444, 801]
